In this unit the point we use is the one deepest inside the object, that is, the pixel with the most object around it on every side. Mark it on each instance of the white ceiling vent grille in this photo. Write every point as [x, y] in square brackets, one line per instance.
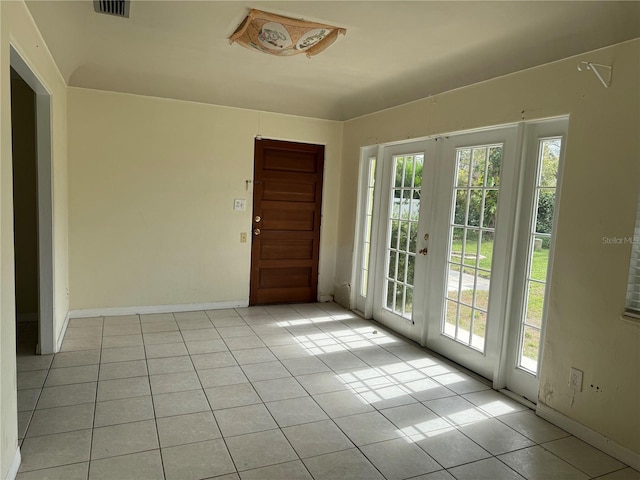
[119, 8]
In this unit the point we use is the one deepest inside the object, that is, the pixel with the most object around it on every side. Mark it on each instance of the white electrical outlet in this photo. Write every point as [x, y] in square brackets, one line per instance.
[575, 379]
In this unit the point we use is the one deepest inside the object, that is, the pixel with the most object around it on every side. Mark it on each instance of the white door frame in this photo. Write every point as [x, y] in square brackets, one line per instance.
[46, 343]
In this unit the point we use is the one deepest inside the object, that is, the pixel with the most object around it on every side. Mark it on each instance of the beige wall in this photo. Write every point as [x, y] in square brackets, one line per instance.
[151, 187]
[18, 29]
[599, 192]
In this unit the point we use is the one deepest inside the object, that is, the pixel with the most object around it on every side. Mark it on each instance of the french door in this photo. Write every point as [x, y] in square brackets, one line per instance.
[406, 175]
[469, 243]
[455, 247]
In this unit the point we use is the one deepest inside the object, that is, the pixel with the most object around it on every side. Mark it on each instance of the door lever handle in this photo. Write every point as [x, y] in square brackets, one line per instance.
[423, 251]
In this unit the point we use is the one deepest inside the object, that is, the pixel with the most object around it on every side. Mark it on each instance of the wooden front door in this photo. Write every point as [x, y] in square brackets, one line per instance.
[287, 200]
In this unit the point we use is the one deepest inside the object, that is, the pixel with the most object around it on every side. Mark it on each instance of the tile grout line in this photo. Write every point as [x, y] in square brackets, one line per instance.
[95, 407]
[209, 403]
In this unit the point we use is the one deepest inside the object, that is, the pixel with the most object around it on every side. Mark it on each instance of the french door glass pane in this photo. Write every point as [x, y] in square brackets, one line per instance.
[366, 251]
[471, 235]
[403, 228]
[538, 261]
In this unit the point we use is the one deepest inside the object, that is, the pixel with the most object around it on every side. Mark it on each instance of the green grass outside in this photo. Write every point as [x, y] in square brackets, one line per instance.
[535, 301]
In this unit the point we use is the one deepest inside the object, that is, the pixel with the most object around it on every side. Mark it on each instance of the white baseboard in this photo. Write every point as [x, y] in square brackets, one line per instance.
[15, 465]
[63, 330]
[183, 307]
[590, 436]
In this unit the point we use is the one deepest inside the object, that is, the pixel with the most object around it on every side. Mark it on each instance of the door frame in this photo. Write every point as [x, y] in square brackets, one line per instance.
[46, 268]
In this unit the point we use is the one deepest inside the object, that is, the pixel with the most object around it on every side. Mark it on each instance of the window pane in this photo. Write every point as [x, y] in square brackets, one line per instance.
[408, 301]
[478, 167]
[482, 297]
[475, 208]
[540, 242]
[535, 303]
[402, 267]
[550, 160]
[452, 311]
[405, 204]
[544, 211]
[404, 226]
[408, 172]
[471, 248]
[493, 169]
[390, 290]
[464, 324]
[398, 169]
[530, 348]
[479, 329]
[468, 282]
[464, 169]
[410, 270]
[368, 221]
[460, 215]
[413, 235]
[395, 207]
[540, 260]
[457, 239]
[399, 303]
[418, 166]
[392, 265]
[471, 241]
[367, 256]
[490, 208]
[395, 233]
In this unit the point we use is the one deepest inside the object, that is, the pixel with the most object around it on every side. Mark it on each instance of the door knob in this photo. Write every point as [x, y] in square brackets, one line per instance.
[257, 219]
[423, 251]
[256, 232]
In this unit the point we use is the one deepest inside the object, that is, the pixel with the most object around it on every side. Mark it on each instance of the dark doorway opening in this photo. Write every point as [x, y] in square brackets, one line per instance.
[25, 214]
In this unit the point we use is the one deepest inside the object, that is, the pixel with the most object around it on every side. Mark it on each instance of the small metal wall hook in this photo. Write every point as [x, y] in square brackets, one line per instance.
[595, 67]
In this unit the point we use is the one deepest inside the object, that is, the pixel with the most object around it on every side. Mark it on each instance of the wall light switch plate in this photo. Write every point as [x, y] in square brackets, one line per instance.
[239, 204]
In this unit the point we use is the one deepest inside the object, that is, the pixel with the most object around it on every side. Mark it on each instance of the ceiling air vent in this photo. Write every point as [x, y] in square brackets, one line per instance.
[119, 8]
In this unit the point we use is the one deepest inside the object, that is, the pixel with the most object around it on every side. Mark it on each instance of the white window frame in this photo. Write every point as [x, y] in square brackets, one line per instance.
[361, 303]
[632, 303]
[512, 375]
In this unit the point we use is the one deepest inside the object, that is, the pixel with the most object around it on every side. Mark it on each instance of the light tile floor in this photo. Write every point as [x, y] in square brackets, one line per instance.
[280, 392]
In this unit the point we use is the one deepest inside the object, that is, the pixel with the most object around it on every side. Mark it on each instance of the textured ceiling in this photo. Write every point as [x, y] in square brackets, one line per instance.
[393, 52]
